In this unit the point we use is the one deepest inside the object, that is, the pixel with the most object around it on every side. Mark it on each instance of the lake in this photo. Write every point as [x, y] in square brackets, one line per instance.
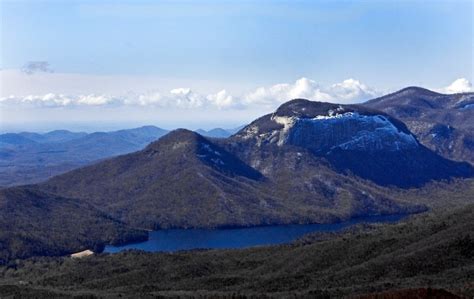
[184, 239]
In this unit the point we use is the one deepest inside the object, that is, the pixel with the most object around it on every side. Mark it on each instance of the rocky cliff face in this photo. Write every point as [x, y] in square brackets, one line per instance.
[323, 127]
[348, 131]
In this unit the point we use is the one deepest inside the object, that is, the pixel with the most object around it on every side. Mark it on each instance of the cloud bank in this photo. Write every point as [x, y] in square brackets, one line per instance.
[269, 97]
[348, 91]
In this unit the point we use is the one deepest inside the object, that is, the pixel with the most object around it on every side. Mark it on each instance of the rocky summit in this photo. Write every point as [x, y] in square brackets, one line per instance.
[325, 127]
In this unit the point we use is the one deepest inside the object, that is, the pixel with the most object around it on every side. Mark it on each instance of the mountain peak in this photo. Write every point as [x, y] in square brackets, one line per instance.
[304, 108]
[412, 93]
[179, 138]
[417, 90]
[182, 134]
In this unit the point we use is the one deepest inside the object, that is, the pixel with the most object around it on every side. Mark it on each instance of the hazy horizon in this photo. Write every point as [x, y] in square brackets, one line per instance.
[218, 64]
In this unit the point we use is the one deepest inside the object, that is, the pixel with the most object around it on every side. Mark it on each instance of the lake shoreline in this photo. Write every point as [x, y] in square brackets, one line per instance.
[326, 227]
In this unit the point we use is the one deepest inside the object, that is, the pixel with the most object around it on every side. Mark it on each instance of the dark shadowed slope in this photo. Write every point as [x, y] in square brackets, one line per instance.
[433, 251]
[443, 123]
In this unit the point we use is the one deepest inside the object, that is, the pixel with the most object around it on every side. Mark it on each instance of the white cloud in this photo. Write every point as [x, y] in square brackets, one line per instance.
[185, 98]
[348, 91]
[351, 91]
[59, 100]
[96, 100]
[280, 93]
[221, 99]
[458, 86]
[148, 99]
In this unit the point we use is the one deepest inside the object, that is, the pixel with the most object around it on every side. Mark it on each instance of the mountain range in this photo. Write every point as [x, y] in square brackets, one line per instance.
[28, 157]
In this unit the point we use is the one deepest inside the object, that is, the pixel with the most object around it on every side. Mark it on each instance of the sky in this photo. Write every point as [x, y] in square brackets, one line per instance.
[114, 64]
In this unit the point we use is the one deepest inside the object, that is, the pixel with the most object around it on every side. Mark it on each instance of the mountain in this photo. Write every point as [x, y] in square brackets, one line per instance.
[219, 132]
[35, 223]
[12, 139]
[427, 256]
[54, 136]
[31, 157]
[181, 180]
[441, 122]
[216, 133]
[352, 139]
[31, 138]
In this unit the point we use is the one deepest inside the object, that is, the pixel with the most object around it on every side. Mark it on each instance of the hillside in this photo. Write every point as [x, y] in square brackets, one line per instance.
[36, 223]
[427, 251]
[441, 122]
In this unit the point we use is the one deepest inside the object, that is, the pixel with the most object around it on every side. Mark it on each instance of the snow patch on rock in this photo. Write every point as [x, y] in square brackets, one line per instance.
[350, 131]
[288, 123]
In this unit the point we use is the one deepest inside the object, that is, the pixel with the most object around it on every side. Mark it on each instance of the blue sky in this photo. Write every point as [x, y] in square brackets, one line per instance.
[238, 46]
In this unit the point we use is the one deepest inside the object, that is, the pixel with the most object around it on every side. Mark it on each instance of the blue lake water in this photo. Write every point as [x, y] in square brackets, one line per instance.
[184, 239]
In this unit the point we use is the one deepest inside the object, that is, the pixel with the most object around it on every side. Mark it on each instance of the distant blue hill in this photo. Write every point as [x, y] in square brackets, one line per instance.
[219, 132]
[28, 157]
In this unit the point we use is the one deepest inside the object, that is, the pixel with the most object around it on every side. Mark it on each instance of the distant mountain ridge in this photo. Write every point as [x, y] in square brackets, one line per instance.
[442, 122]
[216, 133]
[31, 157]
[30, 138]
